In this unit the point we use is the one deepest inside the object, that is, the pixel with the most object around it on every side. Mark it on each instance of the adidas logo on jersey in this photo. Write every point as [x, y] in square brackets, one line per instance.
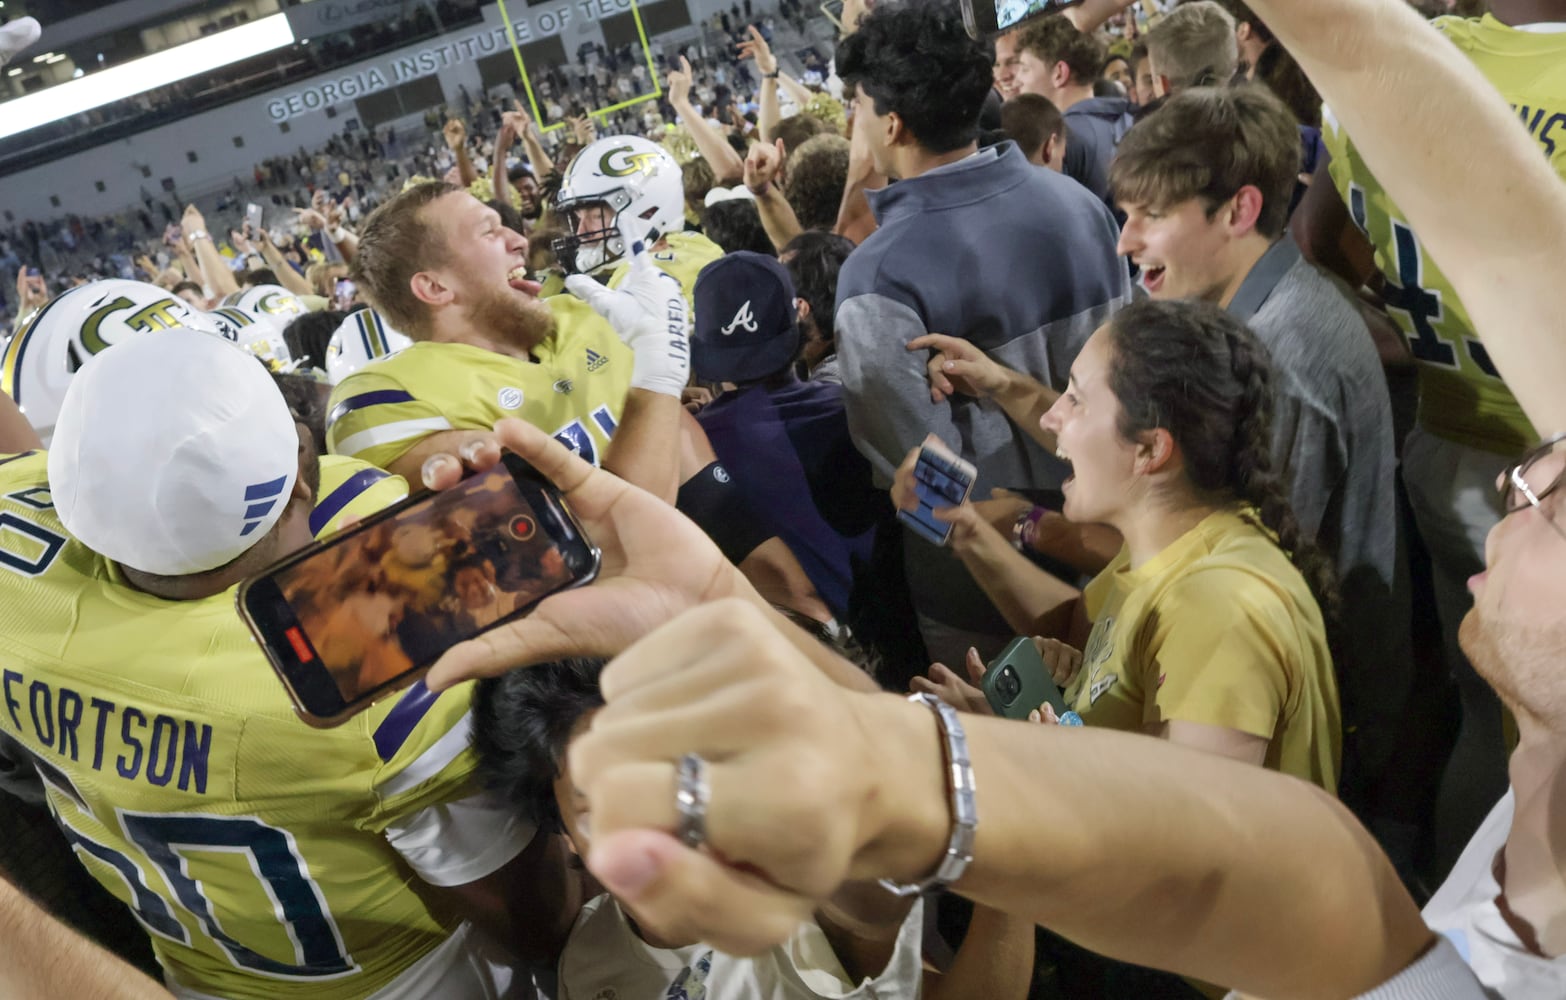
[743, 318]
[595, 360]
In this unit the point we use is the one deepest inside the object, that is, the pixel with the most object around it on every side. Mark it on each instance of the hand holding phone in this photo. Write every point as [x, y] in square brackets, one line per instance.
[940, 479]
[369, 611]
[985, 18]
[252, 219]
[1017, 682]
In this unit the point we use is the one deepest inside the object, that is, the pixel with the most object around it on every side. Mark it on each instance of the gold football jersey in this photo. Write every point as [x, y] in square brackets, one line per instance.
[248, 844]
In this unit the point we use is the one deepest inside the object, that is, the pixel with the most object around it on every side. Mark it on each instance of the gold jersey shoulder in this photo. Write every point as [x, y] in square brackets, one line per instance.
[574, 389]
[249, 844]
[682, 258]
[1462, 397]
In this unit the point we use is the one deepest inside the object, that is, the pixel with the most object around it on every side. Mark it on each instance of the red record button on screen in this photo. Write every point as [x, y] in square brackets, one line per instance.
[522, 527]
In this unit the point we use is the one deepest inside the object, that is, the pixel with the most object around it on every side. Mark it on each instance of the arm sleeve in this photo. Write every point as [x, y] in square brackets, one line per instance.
[454, 843]
[376, 419]
[1440, 974]
[1311, 458]
[1216, 653]
[886, 388]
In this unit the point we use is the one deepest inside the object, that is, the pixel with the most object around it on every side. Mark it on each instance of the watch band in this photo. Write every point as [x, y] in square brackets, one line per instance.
[770, 76]
[198, 234]
[965, 814]
[1026, 528]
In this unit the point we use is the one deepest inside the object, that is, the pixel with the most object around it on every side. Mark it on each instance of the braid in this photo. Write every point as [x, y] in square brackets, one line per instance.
[1255, 480]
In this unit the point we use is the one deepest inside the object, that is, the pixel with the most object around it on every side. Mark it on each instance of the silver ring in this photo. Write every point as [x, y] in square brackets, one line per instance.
[691, 796]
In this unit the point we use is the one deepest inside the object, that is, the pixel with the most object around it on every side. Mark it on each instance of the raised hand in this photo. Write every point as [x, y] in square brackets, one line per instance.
[756, 47]
[762, 165]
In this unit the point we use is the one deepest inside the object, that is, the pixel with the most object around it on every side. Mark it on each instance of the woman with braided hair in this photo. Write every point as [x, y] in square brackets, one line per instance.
[1207, 628]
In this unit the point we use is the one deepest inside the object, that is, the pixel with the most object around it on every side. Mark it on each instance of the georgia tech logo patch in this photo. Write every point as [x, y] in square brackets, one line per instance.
[630, 162]
[564, 386]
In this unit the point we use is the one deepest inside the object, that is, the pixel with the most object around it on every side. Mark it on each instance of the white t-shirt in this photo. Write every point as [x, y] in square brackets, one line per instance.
[1464, 909]
[604, 959]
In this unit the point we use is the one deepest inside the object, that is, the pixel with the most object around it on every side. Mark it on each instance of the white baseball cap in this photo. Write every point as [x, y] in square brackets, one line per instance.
[174, 453]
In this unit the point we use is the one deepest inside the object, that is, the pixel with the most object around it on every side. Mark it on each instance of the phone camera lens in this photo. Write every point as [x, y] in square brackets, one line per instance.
[1008, 685]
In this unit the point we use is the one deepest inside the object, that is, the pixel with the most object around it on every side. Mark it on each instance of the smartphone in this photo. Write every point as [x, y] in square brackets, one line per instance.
[346, 621]
[1017, 682]
[941, 479]
[253, 218]
[346, 290]
[986, 18]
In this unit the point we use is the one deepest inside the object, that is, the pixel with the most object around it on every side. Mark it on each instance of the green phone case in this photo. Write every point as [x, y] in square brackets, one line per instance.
[1033, 684]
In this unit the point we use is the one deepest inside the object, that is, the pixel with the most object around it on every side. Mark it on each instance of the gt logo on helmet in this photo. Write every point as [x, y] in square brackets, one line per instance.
[632, 162]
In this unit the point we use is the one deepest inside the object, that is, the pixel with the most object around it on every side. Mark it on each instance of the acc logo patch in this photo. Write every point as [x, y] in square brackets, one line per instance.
[510, 398]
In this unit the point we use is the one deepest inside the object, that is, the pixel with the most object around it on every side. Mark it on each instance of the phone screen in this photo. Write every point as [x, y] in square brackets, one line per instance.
[382, 601]
[253, 218]
[984, 18]
[941, 479]
[346, 290]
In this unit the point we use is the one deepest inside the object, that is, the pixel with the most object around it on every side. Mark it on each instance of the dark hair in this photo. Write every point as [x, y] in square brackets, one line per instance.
[307, 336]
[397, 242]
[796, 130]
[188, 286]
[306, 399]
[1243, 14]
[258, 276]
[914, 59]
[816, 259]
[1030, 120]
[510, 217]
[817, 174]
[1200, 374]
[1279, 73]
[522, 722]
[736, 225]
[1054, 40]
[1208, 143]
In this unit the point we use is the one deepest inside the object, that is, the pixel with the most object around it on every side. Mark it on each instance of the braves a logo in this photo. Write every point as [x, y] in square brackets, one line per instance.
[743, 318]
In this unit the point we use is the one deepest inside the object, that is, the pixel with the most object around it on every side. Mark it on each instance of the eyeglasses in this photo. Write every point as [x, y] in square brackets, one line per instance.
[1520, 487]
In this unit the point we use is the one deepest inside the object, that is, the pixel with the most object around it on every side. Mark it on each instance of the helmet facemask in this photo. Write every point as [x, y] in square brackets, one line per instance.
[596, 250]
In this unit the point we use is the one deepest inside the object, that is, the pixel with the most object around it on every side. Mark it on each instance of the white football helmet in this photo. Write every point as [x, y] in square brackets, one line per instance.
[268, 300]
[260, 334]
[74, 326]
[633, 179]
[363, 337]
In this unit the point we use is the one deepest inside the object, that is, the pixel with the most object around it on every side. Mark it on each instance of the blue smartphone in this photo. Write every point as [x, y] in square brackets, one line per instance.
[941, 479]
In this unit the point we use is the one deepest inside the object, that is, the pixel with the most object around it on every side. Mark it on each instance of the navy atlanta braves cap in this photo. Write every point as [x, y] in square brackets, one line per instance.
[746, 323]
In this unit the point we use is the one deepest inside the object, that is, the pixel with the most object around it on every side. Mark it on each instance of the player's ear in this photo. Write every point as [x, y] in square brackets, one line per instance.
[429, 288]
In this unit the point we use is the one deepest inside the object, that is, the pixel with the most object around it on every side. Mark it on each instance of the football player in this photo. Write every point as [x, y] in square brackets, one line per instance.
[626, 177]
[1470, 426]
[265, 857]
[438, 265]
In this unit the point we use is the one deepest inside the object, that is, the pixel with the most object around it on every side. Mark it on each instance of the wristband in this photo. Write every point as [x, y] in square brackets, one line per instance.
[1027, 528]
[770, 76]
[199, 234]
[337, 235]
[965, 814]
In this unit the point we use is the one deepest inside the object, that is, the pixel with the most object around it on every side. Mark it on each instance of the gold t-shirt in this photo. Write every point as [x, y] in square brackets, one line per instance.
[1220, 629]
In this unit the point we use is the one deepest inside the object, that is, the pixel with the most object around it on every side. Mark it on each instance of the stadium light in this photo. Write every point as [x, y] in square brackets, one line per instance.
[147, 73]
